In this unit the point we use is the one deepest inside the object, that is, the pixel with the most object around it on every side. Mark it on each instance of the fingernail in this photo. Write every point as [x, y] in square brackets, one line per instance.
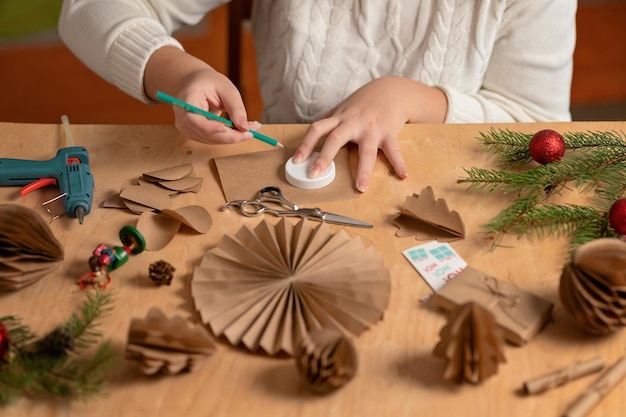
[361, 187]
[298, 157]
[247, 135]
[316, 170]
[254, 125]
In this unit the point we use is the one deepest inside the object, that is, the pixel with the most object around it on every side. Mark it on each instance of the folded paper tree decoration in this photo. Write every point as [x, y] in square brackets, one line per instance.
[593, 286]
[29, 251]
[167, 345]
[520, 314]
[326, 360]
[269, 286]
[472, 344]
[426, 218]
[151, 198]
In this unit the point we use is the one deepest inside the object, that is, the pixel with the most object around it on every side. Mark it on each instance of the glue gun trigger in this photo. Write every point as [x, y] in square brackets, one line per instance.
[35, 185]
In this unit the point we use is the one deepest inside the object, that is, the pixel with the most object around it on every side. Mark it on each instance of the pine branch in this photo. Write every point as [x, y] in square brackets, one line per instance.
[597, 162]
[32, 372]
[21, 336]
[584, 169]
[512, 147]
[81, 324]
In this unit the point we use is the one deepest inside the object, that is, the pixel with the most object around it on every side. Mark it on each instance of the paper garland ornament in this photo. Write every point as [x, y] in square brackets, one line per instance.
[326, 360]
[29, 249]
[593, 286]
[167, 345]
[269, 286]
[428, 218]
[471, 343]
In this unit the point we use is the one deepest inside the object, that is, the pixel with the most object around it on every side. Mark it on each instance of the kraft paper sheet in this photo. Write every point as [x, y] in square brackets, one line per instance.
[242, 176]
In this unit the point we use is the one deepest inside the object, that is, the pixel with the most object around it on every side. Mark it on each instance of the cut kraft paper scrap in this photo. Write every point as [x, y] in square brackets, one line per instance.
[153, 199]
[268, 286]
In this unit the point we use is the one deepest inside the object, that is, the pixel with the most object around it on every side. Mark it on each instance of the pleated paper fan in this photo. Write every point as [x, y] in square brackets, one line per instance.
[267, 287]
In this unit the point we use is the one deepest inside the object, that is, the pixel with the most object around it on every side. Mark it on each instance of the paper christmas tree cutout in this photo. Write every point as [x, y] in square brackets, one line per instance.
[29, 250]
[428, 218]
[471, 343]
[267, 287]
[167, 345]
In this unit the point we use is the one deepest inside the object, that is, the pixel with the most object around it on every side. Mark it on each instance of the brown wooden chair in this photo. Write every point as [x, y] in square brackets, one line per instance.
[238, 11]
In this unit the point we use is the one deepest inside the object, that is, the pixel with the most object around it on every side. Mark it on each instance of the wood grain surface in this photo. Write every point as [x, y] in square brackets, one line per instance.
[397, 376]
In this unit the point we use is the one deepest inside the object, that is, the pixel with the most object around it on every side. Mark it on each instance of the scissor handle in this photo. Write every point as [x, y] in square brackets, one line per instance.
[275, 195]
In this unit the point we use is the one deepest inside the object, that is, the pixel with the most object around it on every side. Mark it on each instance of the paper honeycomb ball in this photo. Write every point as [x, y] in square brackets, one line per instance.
[593, 286]
[326, 360]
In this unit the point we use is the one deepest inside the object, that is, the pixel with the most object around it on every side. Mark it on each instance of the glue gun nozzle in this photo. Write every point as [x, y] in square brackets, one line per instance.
[80, 214]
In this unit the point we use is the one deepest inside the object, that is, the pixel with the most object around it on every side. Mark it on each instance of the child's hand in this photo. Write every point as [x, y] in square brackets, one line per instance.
[198, 84]
[372, 117]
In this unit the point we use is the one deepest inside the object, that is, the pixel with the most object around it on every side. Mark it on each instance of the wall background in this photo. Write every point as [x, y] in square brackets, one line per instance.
[40, 80]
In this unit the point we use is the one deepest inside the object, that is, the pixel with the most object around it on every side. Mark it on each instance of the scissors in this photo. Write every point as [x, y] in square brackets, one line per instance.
[271, 197]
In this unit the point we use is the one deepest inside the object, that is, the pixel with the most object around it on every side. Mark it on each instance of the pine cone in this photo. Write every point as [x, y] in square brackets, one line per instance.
[161, 273]
[326, 359]
[57, 343]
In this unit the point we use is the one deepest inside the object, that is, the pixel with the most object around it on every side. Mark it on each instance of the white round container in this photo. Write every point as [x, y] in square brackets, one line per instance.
[297, 174]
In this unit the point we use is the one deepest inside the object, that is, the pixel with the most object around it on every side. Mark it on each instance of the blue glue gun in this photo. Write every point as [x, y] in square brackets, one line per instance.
[69, 170]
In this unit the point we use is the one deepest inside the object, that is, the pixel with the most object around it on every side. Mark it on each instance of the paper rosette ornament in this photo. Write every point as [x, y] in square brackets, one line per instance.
[269, 286]
[29, 249]
[593, 286]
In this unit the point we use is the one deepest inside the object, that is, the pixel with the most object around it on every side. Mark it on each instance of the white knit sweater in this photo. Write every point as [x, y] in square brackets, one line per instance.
[496, 60]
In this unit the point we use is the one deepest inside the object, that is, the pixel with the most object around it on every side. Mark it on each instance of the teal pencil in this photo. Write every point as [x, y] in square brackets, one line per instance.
[196, 110]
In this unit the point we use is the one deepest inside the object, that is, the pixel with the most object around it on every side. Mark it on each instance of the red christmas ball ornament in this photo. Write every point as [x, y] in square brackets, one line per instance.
[547, 146]
[617, 216]
[4, 342]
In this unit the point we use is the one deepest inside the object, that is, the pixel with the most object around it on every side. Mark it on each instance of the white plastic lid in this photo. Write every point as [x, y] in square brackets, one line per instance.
[297, 174]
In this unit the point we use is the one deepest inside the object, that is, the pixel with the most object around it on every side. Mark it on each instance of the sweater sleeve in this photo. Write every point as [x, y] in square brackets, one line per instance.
[115, 38]
[529, 74]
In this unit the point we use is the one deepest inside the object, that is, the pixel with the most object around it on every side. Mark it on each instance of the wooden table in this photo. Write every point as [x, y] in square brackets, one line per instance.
[397, 375]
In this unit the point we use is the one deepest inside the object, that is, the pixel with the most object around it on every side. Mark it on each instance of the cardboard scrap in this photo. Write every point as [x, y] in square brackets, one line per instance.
[266, 287]
[428, 218]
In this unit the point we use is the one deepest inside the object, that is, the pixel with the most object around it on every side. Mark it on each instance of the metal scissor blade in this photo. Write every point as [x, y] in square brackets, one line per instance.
[343, 220]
